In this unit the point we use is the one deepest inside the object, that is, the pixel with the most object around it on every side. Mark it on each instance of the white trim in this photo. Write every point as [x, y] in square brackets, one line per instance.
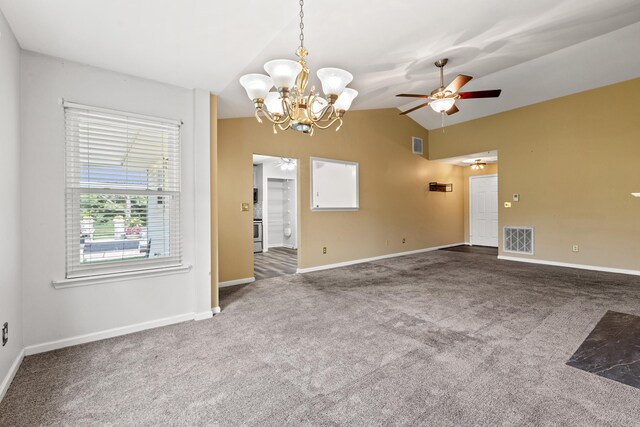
[215, 310]
[570, 265]
[236, 282]
[6, 382]
[109, 333]
[203, 316]
[376, 258]
[118, 277]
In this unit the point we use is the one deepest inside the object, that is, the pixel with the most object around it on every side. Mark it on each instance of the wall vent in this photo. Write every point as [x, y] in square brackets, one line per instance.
[417, 145]
[518, 240]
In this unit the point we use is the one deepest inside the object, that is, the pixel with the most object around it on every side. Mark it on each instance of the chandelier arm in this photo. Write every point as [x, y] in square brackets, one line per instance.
[283, 128]
[324, 111]
[335, 119]
[267, 114]
[311, 114]
[287, 107]
[311, 99]
[315, 118]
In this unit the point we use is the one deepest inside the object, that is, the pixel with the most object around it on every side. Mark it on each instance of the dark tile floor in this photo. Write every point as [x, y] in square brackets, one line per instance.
[612, 349]
[275, 263]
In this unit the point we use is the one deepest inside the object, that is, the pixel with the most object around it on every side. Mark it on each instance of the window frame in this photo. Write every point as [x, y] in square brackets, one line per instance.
[123, 268]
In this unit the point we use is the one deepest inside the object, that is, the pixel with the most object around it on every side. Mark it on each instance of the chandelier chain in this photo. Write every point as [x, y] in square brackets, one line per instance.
[301, 25]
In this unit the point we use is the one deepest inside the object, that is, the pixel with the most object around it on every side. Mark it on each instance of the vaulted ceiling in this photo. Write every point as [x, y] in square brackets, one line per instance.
[533, 50]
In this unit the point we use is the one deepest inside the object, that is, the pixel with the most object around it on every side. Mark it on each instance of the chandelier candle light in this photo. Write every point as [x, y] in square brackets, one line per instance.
[290, 106]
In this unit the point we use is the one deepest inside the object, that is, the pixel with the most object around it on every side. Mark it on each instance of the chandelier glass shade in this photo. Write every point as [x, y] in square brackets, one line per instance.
[283, 99]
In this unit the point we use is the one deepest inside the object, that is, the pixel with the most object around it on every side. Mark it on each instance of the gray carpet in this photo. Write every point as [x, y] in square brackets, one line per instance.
[436, 339]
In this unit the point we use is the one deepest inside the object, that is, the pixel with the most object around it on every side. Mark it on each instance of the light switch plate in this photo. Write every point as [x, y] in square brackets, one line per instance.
[516, 197]
[507, 204]
[244, 207]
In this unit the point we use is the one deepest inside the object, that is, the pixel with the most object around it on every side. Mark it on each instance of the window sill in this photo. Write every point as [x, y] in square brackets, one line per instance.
[119, 277]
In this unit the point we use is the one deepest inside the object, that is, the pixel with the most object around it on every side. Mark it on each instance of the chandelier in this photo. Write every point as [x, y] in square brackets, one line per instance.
[290, 106]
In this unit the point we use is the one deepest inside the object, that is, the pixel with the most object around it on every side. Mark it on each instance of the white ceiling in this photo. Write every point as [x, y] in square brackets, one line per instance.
[467, 160]
[390, 47]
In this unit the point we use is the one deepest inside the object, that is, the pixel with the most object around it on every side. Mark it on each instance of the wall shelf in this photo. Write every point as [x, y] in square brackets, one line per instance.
[443, 188]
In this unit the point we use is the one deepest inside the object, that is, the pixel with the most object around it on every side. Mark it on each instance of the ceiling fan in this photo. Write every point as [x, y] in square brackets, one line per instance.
[443, 99]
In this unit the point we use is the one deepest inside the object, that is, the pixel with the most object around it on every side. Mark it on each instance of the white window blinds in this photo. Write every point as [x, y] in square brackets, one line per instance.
[122, 192]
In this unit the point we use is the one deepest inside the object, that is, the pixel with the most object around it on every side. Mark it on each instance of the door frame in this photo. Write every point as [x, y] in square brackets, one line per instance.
[265, 200]
[471, 181]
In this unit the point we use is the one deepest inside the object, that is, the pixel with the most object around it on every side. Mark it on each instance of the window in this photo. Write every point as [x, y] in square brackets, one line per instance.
[122, 192]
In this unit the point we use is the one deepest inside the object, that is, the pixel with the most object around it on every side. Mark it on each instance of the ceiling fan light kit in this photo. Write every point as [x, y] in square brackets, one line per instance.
[290, 106]
[443, 99]
[478, 165]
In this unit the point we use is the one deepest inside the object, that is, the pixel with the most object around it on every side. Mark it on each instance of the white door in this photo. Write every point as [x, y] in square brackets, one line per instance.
[483, 210]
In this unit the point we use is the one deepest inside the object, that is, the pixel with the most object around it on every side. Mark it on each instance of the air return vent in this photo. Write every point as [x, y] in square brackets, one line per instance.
[518, 240]
[416, 145]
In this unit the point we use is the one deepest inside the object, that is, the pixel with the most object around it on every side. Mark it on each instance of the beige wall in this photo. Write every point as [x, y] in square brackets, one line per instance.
[490, 169]
[574, 161]
[394, 200]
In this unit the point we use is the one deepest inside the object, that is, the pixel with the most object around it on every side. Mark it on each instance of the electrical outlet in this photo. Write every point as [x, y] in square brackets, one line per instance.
[404, 240]
[5, 333]
[507, 204]
[576, 248]
[324, 250]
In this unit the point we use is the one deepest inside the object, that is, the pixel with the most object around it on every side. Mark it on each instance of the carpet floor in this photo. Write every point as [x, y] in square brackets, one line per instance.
[435, 339]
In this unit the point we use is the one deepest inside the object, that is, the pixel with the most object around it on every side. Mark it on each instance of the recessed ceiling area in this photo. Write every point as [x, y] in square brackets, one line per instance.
[533, 51]
[468, 159]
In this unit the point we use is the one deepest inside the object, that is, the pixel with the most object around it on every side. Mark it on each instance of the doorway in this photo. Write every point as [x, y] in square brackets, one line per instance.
[275, 192]
[483, 210]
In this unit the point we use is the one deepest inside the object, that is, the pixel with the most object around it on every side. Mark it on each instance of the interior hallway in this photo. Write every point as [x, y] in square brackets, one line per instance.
[274, 263]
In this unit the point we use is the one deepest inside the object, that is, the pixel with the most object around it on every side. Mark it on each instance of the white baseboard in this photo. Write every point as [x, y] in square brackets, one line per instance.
[236, 282]
[215, 310]
[203, 316]
[6, 382]
[376, 258]
[109, 333]
[569, 265]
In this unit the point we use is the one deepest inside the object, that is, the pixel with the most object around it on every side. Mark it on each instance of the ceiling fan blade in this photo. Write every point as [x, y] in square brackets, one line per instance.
[415, 108]
[452, 110]
[480, 94]
[413, 95]
[457, 83]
